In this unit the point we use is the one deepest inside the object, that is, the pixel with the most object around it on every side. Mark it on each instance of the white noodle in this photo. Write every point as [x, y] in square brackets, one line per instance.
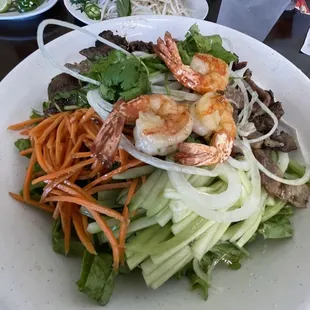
[158, 7]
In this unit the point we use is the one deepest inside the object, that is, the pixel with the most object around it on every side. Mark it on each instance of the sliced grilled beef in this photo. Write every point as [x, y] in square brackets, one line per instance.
[93, 53]
[114, 38]
[62, 83]
[281, 142]
[235, 96]
[238, 65]
[82, 67]
[146, 47]
[265, 96]
[264, 122]
[296, 195]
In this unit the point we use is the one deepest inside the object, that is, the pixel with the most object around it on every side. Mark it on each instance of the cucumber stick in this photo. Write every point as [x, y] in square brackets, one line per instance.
[166, 266]
[164, 216]
[145, 190]
[139, 257]
[166, 249]
[178, 227]
[173, 270]
[134, 173]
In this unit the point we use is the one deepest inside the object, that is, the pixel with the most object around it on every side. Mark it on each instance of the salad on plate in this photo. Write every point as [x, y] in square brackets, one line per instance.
[162, 157]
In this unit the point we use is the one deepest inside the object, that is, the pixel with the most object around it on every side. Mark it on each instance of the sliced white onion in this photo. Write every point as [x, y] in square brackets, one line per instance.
[163, 164]
[275, 123]
[303, 180]
[61, 67]
[177, 95]
[199, 206]
[94, 99]
[283, 161]
[244, 112]
[224, 200]
[238, 164]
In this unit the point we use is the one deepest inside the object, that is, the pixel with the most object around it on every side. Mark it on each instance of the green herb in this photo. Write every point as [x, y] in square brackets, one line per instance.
[23, 144]
[195, 42]
[229, 254]
[121, 76]
[123, 8]
[35, 114]
[155, 64]
[277, 227]
[97, 277]
[76, 247]
[36, 191]
[76, 97]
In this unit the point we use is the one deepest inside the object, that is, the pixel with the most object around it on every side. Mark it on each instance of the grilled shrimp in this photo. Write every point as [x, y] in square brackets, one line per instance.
[206, 73]
[161, 124]
[213, 116]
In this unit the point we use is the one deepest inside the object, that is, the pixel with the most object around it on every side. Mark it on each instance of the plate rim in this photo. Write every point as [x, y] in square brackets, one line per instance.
[165, 17]
[41, 9]
[86, 20]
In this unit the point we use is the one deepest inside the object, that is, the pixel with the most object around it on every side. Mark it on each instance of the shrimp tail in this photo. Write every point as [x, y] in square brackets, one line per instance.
[195, 154]
[168, 51]
[108, 138]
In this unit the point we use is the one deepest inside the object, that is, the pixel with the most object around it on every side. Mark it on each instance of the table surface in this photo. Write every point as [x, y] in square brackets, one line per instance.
[18, 38]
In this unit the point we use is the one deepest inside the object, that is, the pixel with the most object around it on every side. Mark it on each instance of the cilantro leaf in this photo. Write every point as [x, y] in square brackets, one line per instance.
[121, 76]
[155, 64]
[277, 227]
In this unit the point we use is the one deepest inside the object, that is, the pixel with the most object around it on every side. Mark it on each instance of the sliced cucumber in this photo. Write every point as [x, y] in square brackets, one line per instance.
[134, 173]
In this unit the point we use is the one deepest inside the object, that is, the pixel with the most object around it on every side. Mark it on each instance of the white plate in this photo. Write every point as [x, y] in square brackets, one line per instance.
[277, 277]
[46, 5]
[200, 10]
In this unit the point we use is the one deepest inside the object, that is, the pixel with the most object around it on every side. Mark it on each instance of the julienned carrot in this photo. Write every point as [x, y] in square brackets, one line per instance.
[82, 154]
[42, 126]
[47, 160]
[32, 202]
[143, 179]
[26, 152]
[69, 159]
[88, 115]
[56, 211]
[54, 124]
[58, 145]
[79, 228]
[66, 171]
[28, 177]
[65, 216]
[104, 187]
[40, 158]
[124, 225]
[123, 155]
[109, 175]
[85, 225]
[80, 191]
[24, 132]
[109, 235]
[89, 131]
[51, 140]
[89, 205]
[22, 125]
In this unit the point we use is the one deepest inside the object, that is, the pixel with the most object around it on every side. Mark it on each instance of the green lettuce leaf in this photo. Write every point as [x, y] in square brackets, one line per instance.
[76, 247]
[23, 144]
[229, 254]
[97, 277]
[277, 227]
[123, 8]
[195, 42]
